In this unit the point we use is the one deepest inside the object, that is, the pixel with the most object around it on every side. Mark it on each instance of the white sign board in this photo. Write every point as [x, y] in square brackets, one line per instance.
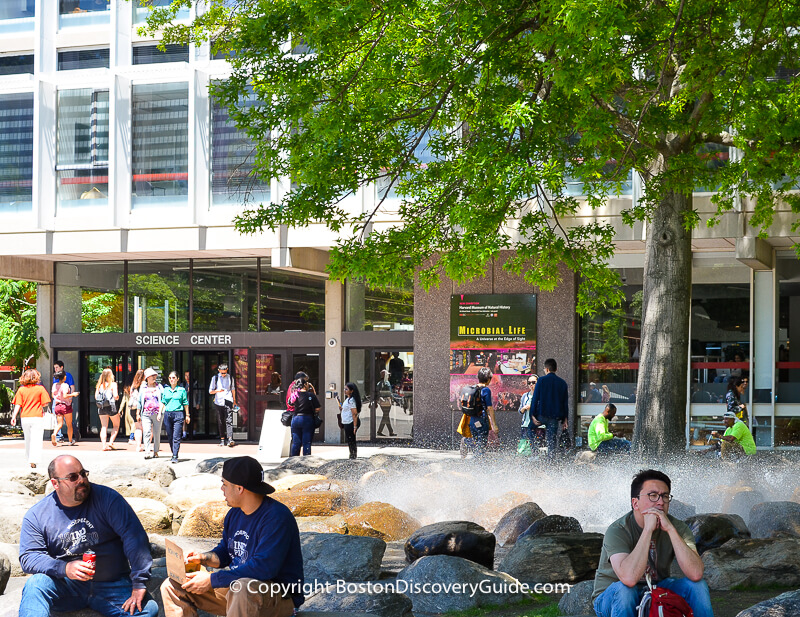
[275, 437]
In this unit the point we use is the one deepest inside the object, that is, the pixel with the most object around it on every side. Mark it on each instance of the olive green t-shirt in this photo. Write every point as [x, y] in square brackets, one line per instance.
[622, 536]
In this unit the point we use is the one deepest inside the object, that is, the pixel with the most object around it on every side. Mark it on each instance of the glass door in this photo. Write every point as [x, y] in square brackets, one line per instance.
[310, 364]
[94, 364]
[269, 391]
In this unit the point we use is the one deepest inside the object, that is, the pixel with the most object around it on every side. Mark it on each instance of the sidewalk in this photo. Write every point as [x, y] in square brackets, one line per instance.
[12, 453]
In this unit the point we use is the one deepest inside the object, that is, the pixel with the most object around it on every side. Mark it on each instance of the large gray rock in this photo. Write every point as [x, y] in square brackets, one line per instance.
[138, 487]
[161, 473]
[753, 563]
[328, 557]
[515, 521]
[742, 502]
[681, 510]
[775, 517]
[11, 514]
[344, 469]
[194, 483]
[211, 465]
[785, 605]
[429, 578]
[11, 551]
[35, 482]
[455, 538]
[554, 523]
[11, 487]
[557, 558]
[714, 530]
[154, 515]
[579, 600]
[5, 572]
[302, 464]
[353, 598]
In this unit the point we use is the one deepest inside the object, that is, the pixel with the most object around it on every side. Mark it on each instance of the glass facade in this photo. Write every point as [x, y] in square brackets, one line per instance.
[291, 301]
[140, 11]
[90, 297]
[788, 360]
[158, 296]
[225, 295]
[373, 309]
[82, 148]
[160, 144]
[16, 152]
[609, 348]
[17, 16]
[74, 13]
[83, 59]
[233, 179]
[151, 54]
[15, 65]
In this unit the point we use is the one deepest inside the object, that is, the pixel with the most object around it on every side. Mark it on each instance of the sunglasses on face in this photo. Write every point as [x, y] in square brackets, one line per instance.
[73, 477]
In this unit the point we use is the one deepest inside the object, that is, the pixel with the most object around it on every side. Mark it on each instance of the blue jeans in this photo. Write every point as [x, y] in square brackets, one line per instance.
[480, 434]
[615, 444]
[42, 594]
[173, 423]
[621, 601]
[553, 425]
[302, 432]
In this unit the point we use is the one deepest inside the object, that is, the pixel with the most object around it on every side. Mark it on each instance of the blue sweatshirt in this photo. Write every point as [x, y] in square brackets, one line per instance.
[53, 535]
[264, 545]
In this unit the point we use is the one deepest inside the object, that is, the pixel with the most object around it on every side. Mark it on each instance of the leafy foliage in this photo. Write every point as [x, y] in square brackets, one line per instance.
[19, 338]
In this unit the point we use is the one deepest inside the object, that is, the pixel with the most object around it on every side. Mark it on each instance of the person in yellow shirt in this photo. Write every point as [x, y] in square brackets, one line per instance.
[737, 439]
[601, 439]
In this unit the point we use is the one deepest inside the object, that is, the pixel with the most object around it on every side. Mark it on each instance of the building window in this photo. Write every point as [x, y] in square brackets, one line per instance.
[83, 13]
[15, 65]
[291, 301]
[151, 54]
[160, 144]
[788, 365]
[16, 152]
[82, 148]
[373, 309]
[224, 295]
[233, 178]
[158, 296]
[83, 59]
[18, 16]
[89, 297]
[609, 347]
[141, 11]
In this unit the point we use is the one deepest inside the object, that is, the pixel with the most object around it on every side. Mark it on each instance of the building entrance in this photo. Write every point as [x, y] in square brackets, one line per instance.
[92, 366]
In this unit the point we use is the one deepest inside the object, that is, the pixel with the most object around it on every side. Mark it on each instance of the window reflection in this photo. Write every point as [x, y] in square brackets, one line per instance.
[373, 309]
[160, 144]
[224, 295]
[89, 297]
[158, 296]
[16, 152]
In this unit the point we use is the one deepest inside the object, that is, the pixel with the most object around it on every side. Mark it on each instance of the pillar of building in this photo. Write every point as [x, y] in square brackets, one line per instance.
[44, 327]
[334, 361]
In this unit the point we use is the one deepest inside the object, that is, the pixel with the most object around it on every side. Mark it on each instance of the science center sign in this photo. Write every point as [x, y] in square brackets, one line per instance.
[185, 340]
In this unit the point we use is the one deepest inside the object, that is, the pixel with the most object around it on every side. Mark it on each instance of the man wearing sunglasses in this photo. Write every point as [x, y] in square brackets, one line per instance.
[643, 543]
[57, 532]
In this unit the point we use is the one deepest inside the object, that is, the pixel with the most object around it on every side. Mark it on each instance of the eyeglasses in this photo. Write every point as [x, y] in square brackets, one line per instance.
[654, 497]
[532, 383]
[73, 477]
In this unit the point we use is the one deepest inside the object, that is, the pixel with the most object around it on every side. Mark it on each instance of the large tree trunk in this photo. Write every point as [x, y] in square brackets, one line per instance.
[660, 426]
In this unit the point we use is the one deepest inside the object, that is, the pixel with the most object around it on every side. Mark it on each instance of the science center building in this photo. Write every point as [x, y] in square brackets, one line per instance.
[120, 178]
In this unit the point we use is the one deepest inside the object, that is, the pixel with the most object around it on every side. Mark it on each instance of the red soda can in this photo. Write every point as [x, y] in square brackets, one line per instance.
[90, 557]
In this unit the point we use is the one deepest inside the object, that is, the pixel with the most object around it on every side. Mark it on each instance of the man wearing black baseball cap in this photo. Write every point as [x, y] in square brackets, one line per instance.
[260, 544]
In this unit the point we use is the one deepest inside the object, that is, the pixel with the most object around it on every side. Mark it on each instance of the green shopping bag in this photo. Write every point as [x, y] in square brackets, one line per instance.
[524, 447]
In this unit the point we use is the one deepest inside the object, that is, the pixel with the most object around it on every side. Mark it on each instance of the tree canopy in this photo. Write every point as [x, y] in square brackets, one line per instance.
[480, 117]
[19, 340]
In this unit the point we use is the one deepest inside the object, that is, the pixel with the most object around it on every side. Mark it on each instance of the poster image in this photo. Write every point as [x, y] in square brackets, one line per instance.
[496, 331]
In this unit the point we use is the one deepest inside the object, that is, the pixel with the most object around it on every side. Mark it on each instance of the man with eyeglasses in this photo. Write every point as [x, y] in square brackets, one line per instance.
[59, 530]
[643, 543]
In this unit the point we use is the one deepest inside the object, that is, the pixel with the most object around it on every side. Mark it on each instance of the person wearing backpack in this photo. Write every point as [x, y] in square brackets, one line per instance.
[481, 420]
[224, 391]
[642, 546]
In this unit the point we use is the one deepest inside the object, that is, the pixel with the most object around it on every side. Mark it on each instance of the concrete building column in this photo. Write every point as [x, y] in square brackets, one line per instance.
[44, 323]
[334, 360]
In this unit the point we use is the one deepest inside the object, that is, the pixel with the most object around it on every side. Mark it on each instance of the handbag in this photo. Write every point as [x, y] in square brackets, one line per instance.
[524, 447]
[50, 422]
[339, 420]
[286, 418]
[317, 421]
[463, 427]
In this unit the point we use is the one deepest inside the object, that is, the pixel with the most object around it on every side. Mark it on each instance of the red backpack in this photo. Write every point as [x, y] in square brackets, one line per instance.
[661, 602]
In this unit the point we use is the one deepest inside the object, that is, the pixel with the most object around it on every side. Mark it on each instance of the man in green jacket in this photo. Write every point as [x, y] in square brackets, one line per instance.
[601, 439]
[737, 440]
